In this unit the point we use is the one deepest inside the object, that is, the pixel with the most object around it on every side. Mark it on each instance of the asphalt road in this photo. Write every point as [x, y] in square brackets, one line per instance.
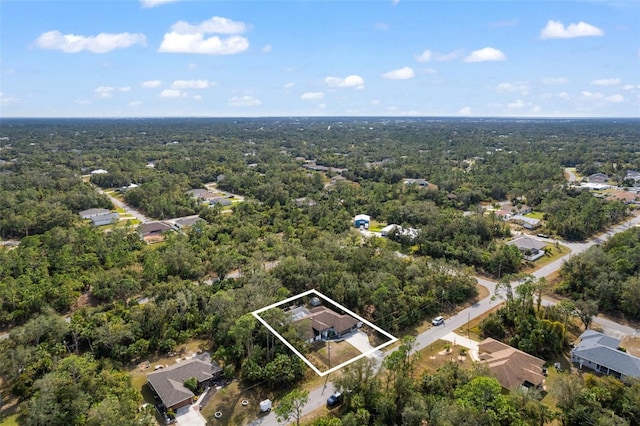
[318, 396]
[127, 209]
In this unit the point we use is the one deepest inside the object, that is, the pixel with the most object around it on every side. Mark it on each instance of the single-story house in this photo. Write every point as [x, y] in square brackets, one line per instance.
[362, 221]
[99, 172]
[512, 367]
[305, 202]
[168, 382]
[504, 214]
[423, 183]
[187, 221]
[634, 176]
[526, 222]
[324, 323]
[531, 248]
[598, 178]
[128, 188]
[105, 219]
[89, 213]
[600, 353]
[198, 192]
[151, 229]
[389, 229]
[220, 200]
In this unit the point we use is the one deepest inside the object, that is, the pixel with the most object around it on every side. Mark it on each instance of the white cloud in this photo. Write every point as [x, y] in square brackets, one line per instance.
[465, 111]
[104, 92]
[188, 38]
[192, 84]
[425, 56]
[309, 96]
[213, 25]
[322, 105]
[564, 95]
[124, 89]
[349, 81]
[615, 98]
[395, 2]
[267, 48]
[172, 93]
[556, 29]
[197, 97]
[150, 84]
[381, 26]
[244, 101]
[196, 43]
[154, 3]
[555, 80]
[519, 104]
[399, 74]
[83, 102]
[289, 85]
[375, 102]
[629, 87]
[606, 82]
[486, 54]
[591, 95]
[520, 87]
[135, 103]
[102, 43]
[444, 57]
[192, 66]
[429, 71]
[8, 100]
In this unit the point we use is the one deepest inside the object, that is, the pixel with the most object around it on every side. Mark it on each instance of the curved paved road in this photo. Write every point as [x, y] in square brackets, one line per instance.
[318, 396]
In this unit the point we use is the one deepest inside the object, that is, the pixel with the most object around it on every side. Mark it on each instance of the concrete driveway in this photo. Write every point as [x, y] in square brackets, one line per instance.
[190, 416]
[360, 341]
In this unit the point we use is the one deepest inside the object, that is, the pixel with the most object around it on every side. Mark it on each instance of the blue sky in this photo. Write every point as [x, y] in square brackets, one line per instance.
[142, 58]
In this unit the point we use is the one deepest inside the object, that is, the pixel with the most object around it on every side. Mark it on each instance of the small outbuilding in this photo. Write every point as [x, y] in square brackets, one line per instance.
[362, 221]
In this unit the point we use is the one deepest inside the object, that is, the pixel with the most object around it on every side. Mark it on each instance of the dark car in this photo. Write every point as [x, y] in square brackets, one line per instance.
[334, 399]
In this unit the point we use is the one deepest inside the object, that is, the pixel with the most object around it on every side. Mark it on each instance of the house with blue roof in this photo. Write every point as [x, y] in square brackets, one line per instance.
[600, 353]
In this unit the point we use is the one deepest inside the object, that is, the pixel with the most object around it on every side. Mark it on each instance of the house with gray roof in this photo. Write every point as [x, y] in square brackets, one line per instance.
[168, 382]
[531, 248]
[89, 213]
[600, 353]
[105, 219]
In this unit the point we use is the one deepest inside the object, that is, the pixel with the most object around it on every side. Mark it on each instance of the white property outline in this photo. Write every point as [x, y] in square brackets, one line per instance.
[256, 313]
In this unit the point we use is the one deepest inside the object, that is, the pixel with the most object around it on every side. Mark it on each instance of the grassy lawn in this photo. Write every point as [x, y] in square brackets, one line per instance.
[556, 251]
[436, 355]
[474, 325]
[228, 401]
[10, 421]
[375, 226]
[535, 215]
[340, 352]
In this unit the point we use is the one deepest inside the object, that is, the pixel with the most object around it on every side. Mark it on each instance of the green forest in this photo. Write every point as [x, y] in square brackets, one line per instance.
[80, 304]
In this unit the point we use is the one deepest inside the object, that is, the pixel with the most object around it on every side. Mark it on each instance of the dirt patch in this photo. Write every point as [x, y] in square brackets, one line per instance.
[632, 345]
[85, 300]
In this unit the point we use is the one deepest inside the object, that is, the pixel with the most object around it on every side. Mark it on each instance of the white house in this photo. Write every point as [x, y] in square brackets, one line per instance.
[388, 229]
